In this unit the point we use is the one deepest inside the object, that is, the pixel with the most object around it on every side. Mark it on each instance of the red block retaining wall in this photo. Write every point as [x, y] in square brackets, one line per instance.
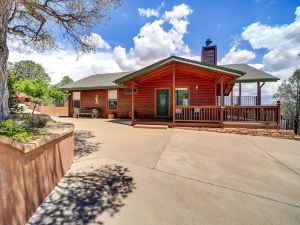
[29, 172]
[53, 110]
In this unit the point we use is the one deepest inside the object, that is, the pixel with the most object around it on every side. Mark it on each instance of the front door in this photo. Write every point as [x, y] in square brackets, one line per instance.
[162, 102]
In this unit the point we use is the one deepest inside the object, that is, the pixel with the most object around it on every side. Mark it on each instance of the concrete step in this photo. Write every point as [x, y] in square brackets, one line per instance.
[150, 126]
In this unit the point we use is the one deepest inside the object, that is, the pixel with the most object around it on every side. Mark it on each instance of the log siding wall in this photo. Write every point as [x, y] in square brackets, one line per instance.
[145, 96]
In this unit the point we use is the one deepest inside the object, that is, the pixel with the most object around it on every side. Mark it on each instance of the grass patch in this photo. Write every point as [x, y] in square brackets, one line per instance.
[23, 130]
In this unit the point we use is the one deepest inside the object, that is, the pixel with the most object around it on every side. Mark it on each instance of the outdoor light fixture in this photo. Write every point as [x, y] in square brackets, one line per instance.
[197, 87]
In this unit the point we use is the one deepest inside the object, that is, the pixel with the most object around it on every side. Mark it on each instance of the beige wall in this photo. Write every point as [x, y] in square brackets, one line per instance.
[26, 178]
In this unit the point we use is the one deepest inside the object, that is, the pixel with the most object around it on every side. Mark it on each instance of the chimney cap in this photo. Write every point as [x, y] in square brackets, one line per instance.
[208, 42]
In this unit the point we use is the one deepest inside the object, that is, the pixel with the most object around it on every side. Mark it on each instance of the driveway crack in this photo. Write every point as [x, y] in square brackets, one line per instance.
[273, 157]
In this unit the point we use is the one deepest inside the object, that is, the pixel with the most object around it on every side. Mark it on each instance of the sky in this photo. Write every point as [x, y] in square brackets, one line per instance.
[262, 33]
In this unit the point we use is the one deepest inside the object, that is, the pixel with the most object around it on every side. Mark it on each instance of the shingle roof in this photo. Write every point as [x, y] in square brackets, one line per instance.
[97, 81]
[244, 72]
[178, 59]
[251, 74]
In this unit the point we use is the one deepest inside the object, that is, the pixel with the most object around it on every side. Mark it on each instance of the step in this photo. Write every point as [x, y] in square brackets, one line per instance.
[150, 126]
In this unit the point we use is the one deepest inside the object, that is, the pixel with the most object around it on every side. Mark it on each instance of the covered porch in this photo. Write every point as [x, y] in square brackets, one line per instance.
[176, 73]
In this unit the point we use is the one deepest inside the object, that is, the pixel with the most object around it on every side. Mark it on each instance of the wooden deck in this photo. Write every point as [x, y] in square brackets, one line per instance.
[255, 117]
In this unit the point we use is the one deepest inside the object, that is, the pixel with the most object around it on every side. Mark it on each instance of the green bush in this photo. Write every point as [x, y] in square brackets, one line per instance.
[36, 122]
[23, 130]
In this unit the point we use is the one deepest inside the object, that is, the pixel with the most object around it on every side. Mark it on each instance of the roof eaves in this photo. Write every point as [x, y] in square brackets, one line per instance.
[256, 80]
[90, 88]
[178, 59]
[145, 69]
[218, 68]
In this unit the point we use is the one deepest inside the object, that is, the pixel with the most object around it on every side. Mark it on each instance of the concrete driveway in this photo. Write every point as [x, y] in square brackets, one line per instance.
[125, 175]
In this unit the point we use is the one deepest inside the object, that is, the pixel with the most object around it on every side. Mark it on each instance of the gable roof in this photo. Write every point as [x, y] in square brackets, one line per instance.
[182, 60]
[251, 74]
[97, 81]
[244, 73]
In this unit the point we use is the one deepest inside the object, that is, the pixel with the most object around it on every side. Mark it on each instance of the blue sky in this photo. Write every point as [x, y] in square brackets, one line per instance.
[220, 20]
[262, 33]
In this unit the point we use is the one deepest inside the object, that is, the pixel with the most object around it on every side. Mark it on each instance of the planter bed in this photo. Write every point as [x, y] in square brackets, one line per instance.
[29, 171]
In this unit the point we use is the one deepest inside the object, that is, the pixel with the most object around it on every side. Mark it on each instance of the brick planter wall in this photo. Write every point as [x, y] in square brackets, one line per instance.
[53, 110]
[28, 172]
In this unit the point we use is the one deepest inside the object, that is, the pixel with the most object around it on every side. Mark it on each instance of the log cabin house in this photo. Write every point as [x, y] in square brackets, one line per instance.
[179, 92]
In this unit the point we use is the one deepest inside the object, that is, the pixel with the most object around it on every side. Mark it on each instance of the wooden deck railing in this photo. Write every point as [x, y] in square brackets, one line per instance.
[262, 114]
[266, 114]
[198, 113]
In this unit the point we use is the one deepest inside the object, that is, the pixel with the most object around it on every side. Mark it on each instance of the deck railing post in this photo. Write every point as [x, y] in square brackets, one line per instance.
[222, 101]
[132, 104]
[174, 97]
[240, 94]
[278, 115]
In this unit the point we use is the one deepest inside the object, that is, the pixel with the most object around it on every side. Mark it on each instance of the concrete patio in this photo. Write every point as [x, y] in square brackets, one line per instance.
[126, 175]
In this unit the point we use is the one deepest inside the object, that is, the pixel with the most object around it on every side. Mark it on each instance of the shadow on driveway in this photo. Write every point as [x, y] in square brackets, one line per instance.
[83, 146]
[82, 196]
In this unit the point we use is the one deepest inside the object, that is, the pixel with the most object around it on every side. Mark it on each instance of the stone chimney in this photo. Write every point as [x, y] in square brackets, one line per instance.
[209, 53]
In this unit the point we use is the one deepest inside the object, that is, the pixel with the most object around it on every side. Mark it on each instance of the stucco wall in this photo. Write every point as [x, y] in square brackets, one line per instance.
[28, 175]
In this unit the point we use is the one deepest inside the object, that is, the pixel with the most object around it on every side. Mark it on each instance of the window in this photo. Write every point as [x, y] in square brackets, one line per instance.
[112, 99]
[182, 96]
[76, 100]
[128, 90]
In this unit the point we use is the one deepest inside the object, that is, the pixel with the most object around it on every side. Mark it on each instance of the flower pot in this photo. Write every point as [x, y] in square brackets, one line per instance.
[111, 116]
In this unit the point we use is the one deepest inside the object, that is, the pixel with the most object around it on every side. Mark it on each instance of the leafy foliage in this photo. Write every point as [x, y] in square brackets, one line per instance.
[30, 78]
[65, 80]
[32, 22]
[57, 96]
[36, 122]
[289, 95]
[28, 70]
[20, 129]
[35, 89]
[12, 102]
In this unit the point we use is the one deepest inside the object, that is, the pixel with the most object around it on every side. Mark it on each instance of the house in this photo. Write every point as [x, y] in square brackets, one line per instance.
[178, 92]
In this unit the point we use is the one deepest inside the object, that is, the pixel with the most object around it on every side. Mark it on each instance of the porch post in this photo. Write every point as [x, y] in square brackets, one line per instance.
[258, 100]
[231, 97]
[222, 91]
[173, 87]
[216, 94]
[222, 101]
[132, 104]
[240, 94]
[278, 115]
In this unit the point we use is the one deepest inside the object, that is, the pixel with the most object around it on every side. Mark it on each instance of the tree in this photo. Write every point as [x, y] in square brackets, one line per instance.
[289, 95]
[57, 96]
[39, 23]
[65, 80]
[28, 70]
[35, 89]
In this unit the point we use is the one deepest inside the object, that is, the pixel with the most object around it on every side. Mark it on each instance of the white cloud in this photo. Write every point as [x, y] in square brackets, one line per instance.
[178, 12]
[65, 62]
[95, 40]
[148, 12]
[281, 42]
[236, 55]
[154, 42]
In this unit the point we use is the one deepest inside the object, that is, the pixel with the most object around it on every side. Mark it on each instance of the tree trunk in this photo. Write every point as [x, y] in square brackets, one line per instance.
[6, 7]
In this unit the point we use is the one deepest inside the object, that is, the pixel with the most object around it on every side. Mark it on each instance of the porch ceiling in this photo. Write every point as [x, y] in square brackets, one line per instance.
[182, 65]
[182, 69]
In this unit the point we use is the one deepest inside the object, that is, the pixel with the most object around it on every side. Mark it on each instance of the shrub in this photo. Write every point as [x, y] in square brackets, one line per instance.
[23, 130]
[15, 130]
[36, 122]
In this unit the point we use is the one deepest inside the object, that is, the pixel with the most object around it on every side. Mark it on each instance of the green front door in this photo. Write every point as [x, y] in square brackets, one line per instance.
[162, 102]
